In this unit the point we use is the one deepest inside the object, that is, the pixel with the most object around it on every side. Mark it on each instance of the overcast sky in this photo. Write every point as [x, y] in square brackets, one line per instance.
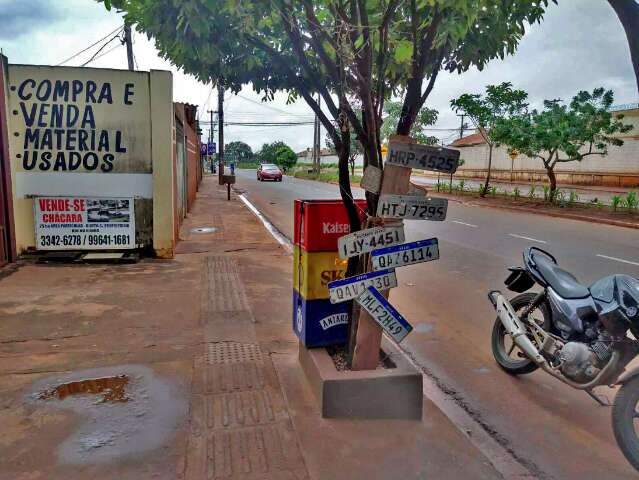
[580, 45]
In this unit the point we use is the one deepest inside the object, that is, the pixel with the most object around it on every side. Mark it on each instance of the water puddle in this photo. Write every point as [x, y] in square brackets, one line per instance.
[126, 410]
[108, 389]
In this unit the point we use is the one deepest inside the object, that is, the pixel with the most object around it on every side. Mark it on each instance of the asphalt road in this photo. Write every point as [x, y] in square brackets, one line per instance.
[557, 431]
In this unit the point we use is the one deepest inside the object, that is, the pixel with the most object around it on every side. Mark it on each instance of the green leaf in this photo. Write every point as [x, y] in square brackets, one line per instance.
[403, 51]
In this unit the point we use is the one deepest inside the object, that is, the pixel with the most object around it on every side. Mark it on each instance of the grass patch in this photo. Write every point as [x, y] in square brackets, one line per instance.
[329, 176]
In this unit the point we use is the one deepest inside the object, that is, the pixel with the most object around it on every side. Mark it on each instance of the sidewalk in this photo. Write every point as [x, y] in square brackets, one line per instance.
[194, 373]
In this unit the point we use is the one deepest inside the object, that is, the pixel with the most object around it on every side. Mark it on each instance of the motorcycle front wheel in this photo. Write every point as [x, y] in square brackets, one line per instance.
[507, 354]
[625, 420]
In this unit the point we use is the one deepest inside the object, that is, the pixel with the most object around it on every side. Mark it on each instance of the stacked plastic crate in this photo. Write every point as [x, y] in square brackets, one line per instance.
[318, 225]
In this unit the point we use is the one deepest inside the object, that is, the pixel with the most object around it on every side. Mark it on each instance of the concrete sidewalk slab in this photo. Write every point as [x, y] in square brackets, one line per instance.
[214, 323]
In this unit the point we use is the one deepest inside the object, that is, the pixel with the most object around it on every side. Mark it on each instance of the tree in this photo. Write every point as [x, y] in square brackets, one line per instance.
[239, 152]
[353, 53]
[285, 157]
[277, 153]
[425, 118]
[354, 150]
[561, 133]
[628, 13]
[500, 101]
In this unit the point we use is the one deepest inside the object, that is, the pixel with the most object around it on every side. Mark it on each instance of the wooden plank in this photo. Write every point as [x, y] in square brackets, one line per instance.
[369, 334]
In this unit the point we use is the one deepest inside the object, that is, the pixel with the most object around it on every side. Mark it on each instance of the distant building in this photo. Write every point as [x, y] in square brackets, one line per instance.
[620, 168]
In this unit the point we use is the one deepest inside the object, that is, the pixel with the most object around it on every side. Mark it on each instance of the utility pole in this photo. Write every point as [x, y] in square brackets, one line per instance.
[129, 46]
[220, 119]
[211, 130]
[462, 126]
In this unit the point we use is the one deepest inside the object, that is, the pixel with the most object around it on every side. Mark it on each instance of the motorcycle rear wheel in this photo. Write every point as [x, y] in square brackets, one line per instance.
[502, 352]
[625, 420]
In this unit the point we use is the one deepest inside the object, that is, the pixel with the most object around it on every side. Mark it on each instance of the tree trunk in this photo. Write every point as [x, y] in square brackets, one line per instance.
[351, 161]
[490, 164]
[553, 183]
[628, 13]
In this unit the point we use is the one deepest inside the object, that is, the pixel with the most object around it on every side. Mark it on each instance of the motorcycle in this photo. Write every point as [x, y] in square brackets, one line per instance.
[583, 336]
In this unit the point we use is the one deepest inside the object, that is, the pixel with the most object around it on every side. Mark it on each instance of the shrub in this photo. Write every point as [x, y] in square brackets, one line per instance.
[631, 200]
[573, 197]
[532, 191]
[462, 183]
[615, 201]
[546, 189]
[493, 191]
[516, 192]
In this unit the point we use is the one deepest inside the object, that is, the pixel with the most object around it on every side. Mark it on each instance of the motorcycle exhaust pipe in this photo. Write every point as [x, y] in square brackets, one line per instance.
[514, 326]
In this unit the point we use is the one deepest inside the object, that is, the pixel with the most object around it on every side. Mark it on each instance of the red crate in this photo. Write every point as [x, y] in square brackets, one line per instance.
[319, 223]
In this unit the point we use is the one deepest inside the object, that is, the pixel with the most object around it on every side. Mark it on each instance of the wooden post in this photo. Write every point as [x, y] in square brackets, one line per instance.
[396, 180]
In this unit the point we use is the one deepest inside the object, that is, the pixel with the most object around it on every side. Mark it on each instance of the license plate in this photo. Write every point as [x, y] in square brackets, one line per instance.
[352, 287]
[423, 157]
[406, 254]
[412, 207]
[368, 240]
[380, 310]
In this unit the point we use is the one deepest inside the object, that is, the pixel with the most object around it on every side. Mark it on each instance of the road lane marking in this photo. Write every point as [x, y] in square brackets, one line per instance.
[527, 238]
[464, 223]
[618, 260]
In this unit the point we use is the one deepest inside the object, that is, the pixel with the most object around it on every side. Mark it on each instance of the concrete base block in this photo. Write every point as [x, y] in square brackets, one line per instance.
[383, 393]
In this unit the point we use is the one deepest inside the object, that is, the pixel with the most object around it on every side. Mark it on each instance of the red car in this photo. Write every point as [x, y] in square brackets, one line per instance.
[269, 171]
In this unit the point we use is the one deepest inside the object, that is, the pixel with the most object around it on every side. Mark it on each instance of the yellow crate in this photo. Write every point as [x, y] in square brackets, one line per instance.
[313, 271]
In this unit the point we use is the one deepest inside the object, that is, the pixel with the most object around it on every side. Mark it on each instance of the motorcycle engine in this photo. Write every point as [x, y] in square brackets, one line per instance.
[579, 362]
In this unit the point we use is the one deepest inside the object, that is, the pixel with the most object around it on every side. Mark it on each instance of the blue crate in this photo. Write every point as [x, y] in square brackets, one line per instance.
[320, 323]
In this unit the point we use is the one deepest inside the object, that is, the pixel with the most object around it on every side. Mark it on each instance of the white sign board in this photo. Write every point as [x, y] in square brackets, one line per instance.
[365, 241]
[78, 223]
[384, 314]
[352, 287]
[406, 254]
[412, 207]
[372, 179]
[423, 157]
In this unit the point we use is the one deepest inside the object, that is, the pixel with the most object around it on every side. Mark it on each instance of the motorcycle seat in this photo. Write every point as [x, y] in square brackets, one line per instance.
[562, 282]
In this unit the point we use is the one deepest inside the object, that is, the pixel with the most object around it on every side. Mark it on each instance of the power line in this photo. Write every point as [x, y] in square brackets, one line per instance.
[264, 105]
[105, 53]
[99, 50]
[92, 45]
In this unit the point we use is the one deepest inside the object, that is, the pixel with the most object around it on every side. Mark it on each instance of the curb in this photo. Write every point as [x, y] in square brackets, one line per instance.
[571, 216]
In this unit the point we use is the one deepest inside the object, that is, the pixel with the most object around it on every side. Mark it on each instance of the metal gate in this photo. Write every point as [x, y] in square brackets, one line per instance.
[7, 251]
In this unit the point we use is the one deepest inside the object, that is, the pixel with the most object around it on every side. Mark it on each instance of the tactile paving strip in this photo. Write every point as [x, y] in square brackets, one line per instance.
[232, 352]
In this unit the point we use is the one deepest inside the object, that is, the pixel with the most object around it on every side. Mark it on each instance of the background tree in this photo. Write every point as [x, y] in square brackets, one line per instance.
[500, 101]
[561, 133]
[239, 152]
[425, 118]
[354, 150]
[277, 153]
[628, 13]
[285, 157]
